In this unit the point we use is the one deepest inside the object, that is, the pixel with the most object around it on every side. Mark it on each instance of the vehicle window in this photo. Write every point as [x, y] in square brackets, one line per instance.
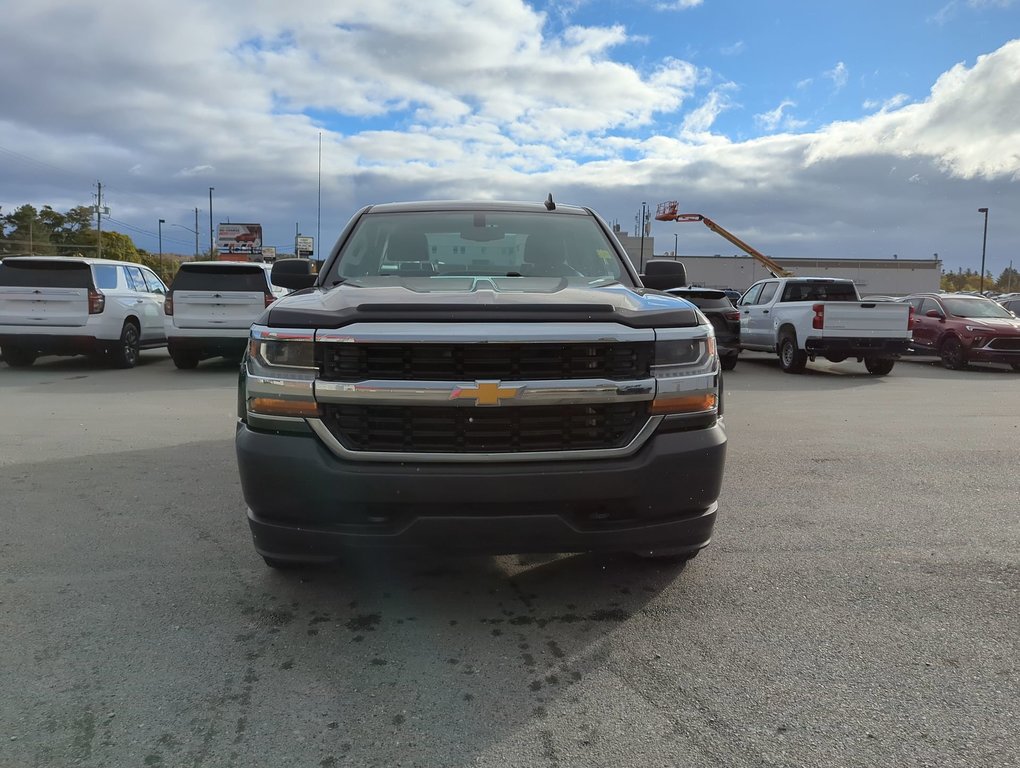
[768, 292]
[751, 297]
[213, 277]
[1013, 306]
[47, 274]
[105, 276]
[478, 244]
[705, 302]
[135, 280]
[927, 305]
[153, 283]
[975, 307]
[820, 292]
[915, 303]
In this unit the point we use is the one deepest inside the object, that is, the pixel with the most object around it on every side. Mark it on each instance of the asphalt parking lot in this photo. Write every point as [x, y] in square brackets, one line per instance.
[860, 605]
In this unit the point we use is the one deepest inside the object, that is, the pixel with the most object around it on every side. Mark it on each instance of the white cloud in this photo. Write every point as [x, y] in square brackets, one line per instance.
[678, 5]
[894, 102]
[777, 118]
[475, 98]
[806, 82]
[733, 50]
[838, 75]
[700, 119]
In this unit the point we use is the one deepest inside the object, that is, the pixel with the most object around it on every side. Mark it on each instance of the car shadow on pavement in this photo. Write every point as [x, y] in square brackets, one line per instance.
[132, 587]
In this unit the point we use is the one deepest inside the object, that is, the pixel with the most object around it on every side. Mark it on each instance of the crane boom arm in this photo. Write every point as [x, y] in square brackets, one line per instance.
[668, 212]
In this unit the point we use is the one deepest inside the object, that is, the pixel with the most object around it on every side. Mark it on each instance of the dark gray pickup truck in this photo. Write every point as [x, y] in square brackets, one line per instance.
[478, 377]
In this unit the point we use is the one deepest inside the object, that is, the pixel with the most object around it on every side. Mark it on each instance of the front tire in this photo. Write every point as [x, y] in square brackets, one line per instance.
[19, 357]
[185, 361]
[791, 359]
[125, 353]
[952, 354]
[728, 363]
[879, 366]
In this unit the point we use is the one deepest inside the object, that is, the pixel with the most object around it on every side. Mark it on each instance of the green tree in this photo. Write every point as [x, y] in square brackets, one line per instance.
[25, 231]
[1009, 280]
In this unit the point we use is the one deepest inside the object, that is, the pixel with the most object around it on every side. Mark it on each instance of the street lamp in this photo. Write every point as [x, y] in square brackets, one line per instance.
[192, 231]
[211, 254]
[984, 241]
[160, 226]
[676, 247]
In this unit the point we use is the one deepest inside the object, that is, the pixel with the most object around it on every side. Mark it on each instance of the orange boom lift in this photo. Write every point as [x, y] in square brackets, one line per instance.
[668, 212]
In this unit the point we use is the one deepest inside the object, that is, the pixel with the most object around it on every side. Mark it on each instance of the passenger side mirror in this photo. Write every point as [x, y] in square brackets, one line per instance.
[663, 274]
[293, 273]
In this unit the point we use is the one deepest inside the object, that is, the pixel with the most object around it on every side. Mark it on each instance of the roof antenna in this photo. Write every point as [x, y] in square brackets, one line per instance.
[549, 204]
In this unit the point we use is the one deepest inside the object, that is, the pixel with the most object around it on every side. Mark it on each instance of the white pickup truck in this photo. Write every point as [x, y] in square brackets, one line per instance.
[803, 318]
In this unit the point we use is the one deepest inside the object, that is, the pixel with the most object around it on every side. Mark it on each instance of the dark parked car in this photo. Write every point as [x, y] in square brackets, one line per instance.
[1012, 304]
[962, 328]
[716, 306]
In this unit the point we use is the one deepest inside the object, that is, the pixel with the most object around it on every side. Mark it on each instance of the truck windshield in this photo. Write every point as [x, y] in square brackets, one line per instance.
[478, 244]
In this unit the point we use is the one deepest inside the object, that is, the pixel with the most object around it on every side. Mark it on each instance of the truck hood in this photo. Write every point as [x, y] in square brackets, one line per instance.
[479, 299]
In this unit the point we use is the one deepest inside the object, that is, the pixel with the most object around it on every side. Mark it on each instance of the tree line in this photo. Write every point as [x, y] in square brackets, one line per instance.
[48, 232]
[970, 280]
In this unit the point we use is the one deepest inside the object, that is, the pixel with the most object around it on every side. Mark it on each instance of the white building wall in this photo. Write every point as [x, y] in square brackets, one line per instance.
[895, 277]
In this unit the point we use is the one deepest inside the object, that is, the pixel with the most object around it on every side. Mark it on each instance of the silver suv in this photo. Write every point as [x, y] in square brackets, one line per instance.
[54, 305]
[211, 306]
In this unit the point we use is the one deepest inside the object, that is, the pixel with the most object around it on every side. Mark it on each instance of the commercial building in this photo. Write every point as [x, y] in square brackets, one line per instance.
[884, 277]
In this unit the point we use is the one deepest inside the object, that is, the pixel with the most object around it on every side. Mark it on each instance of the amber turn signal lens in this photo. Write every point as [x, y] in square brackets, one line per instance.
[682, 404]
[274, 406]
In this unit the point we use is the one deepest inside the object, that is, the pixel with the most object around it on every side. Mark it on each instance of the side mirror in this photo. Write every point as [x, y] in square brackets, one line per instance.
[663, 274]
[936, 313]
[293, 273]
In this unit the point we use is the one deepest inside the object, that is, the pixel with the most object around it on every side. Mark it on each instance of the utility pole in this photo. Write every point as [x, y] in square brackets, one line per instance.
[212, 254]
[318, 212]
[984, 241]
[196, 233]
[676, 246]
[99, 217]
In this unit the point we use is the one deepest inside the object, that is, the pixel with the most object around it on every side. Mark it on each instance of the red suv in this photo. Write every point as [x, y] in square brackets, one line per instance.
[961, 328]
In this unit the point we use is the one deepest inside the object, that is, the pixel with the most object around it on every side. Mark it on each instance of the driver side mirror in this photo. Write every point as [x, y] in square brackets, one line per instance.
[293, 273]
[936, 313]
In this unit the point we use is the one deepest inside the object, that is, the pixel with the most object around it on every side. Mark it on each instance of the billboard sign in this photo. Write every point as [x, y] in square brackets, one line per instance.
[268, 253]
[239, 239]
[304, 247]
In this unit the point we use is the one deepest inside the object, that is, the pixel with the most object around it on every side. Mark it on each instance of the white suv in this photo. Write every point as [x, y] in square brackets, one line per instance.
[210, 307]
[56, 305]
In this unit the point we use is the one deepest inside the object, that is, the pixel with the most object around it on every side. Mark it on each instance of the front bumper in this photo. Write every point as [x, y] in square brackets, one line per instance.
[306, 504]
[993, 355]
[850, 346]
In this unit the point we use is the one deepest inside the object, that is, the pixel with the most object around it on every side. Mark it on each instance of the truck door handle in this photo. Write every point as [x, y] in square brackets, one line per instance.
[764, 311]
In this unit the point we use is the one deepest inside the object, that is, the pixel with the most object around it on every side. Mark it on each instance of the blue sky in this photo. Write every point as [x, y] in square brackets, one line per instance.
[809, 128]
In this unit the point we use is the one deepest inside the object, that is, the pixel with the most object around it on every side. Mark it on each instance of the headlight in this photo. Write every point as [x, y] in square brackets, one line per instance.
[977, 328]
[283, 353]
[684, 357]
[685, 371]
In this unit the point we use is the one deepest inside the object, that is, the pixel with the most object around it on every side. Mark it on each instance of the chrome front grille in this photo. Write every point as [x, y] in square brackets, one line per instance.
[352, 362]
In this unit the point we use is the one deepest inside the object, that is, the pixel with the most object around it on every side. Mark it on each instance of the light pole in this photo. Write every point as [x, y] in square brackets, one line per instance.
[984, 241]
[641, 257]
[212, 255]
[676, 247]
[192, 231]
[160, 227]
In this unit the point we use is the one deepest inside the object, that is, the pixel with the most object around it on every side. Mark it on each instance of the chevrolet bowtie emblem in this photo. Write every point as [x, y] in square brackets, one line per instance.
[485, 392]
